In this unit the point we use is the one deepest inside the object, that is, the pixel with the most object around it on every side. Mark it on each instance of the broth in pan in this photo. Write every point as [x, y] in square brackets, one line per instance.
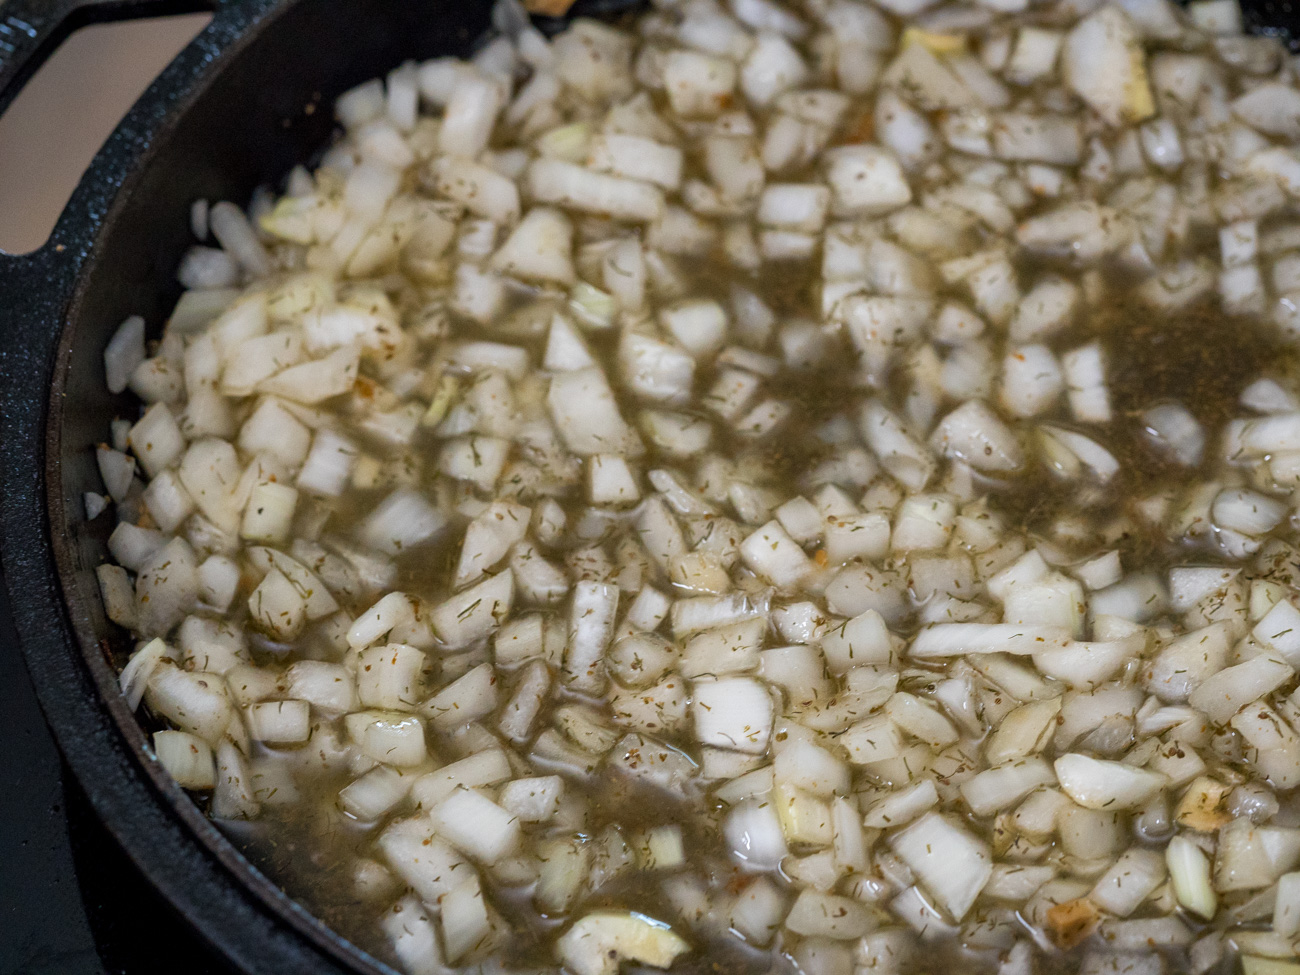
[760, 487]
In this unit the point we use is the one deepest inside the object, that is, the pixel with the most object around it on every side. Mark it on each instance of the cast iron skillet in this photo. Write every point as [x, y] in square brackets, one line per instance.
[244, 102]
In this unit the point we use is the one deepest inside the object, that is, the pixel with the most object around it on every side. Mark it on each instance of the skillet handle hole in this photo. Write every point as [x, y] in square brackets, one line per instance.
[54, 127]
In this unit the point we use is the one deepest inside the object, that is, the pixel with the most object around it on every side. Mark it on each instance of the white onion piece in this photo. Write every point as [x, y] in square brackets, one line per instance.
[471, 111]
[410, 929]
[197, 703]
[905, 131]
[538, 248]
[236, 235]
[117, 594]
[387, 676]
[124, 353]
[901, 806]
[1088, 665]
[199, 219]
[232, 796]
[392, 737]
[1279, 629]
[587, 416]
[951, 863]
[1129, 881]
[698, 84]
[474, 612]
[1103, 62]
[166, 587]
[400, 522]
[1047, 309]
[475, 825]
[998, 788]
[898, 451]
[135, 676]
[156, 440]
[597, 943]
[1278, 746]
[757, 911]
[865, 180]
[1040, 138]
[591, 625]
[464, 917]
[116, 469]
[479, 188]
[486, 768]
[533, 800]
[1083, 231]
[773, 554]
[754, 835]
[318, 380]
[1031, 380]
[957, 639]
[1189, 871]
[1245, 511]
[279, 722]
[1095, 457]
[186, 758]
[975, 434]
[1273, 434]
[1286, 909]
[733, 713]
[1086, 386]
[1176, 432]
[564, 184]
[1272, 108]
[1098, 784]
[420, 858]
[815, 914]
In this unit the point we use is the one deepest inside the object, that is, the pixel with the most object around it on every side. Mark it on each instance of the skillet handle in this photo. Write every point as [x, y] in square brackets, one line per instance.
[30, 30]
[33, 286]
